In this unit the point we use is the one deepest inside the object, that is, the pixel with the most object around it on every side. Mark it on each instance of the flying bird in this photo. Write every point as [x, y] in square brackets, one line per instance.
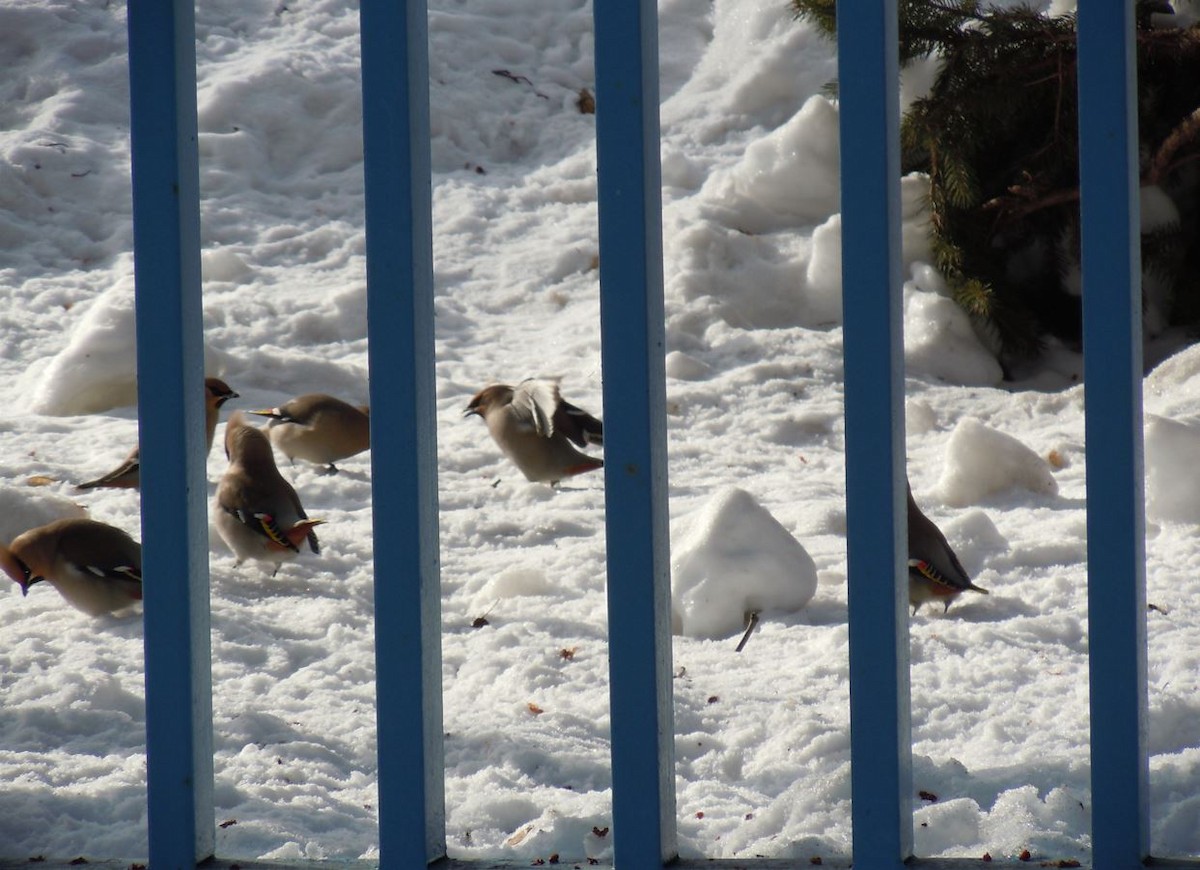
[538, 430]
[96, 567]
[319, 428]
[128, 475]
[257, 512]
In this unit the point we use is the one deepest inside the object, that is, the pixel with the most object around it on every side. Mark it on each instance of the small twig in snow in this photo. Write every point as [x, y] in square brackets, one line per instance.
[751, 624]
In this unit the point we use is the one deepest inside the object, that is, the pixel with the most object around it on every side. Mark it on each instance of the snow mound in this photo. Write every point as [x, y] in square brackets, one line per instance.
[684, 367]
[97, 370]
[25, 509]
[1170, 447]
[938, 337]
[823, 279]
[981, 461]
[823, 276]
[788, 178]
[1172, 389]
[734, 559]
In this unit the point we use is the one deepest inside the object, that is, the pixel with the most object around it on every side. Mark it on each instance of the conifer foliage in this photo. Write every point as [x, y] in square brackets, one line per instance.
[997, 135]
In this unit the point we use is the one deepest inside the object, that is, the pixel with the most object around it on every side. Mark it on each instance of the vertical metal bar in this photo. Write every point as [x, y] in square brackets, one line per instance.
[880, 731]
[631, 317]
[400, 332]
[166, 220]
[1112, 321]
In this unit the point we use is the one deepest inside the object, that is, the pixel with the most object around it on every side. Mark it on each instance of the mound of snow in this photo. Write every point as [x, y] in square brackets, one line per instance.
[684, 367]
[786, 179]
[823, 278]
[981, 461]
[1172, 389]
[27, 508]
[97, 370]
[938, 337]
[1171, 496]
[736, 558]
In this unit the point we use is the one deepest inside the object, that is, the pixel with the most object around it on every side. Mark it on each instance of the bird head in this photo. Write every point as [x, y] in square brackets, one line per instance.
[217, 392]
[489, 397]
[16, 568]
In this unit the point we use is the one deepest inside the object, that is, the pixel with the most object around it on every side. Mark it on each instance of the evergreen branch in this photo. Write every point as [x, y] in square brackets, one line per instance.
[1165, 162]
[1021, 202]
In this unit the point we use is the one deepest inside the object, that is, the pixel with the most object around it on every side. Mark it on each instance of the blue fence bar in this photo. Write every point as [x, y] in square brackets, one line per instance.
[162, 74]
[1112, 316]
[400, 331]
[877, 553]
[635, 479]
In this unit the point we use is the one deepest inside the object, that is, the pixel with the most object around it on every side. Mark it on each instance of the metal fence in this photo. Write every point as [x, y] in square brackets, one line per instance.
[400, 304]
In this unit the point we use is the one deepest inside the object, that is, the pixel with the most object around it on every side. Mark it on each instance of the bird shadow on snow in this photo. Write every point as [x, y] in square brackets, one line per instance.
[989, 609]
[830, 611]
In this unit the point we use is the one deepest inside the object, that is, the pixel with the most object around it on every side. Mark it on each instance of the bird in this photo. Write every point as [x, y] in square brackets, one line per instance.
[934, 572]
[96, 567]
[128, 474]
[257, 512]
[535, 428]
[319, 428]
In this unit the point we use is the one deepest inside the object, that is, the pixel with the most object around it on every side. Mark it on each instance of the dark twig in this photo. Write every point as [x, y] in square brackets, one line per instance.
[751, 624]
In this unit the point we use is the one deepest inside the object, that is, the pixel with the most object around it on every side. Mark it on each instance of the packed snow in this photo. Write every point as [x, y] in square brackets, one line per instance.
[753, 297]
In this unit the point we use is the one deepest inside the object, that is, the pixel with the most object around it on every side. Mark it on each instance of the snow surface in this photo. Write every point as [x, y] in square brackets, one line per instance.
[752, 242]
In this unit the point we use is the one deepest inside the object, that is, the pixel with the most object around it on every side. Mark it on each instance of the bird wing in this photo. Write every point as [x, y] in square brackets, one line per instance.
[313, 543]
[125, 475]
[537, 400]
[578, 425]
[102, 551]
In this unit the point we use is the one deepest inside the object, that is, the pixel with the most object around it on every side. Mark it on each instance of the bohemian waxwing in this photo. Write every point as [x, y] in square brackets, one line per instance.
[257, 512]
[319, 428]
[127, 475]
[96, 567]
[934, 572]
[535, 427]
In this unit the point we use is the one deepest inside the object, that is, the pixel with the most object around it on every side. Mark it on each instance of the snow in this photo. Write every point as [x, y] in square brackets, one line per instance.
[753, 306]
[736, 559]
[981, 461]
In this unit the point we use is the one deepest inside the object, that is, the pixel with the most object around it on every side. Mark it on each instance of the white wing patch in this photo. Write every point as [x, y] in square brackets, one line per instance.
[538, 399]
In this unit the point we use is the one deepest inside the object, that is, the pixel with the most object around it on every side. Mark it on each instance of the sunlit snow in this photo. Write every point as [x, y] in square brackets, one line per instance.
[752, 245]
